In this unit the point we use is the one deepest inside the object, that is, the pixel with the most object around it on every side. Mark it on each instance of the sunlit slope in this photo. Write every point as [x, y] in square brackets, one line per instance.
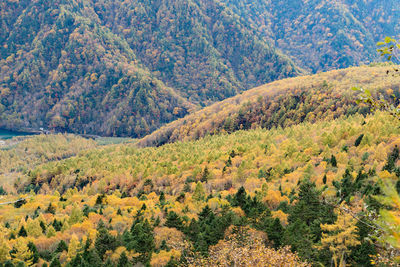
[282, 156]
[282, 103]
[21, 154]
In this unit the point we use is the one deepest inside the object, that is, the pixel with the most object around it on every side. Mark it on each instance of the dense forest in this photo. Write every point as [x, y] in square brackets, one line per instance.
[125, 68]
[281, 104]
[285, 197]
[110, 68]
[194, 133]
[322, 35]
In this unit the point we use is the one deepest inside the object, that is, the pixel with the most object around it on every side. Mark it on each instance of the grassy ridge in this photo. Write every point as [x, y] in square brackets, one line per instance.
[281, 103]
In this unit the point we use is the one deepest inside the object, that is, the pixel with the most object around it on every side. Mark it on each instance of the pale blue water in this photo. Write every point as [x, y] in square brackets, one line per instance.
[6, 134]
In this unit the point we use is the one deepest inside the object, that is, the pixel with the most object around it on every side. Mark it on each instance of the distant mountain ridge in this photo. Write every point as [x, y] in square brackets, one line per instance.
[322, 35]
[125, 68]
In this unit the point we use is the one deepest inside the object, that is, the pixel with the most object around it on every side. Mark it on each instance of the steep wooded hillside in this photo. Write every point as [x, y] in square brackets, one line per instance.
[324, 34]
[124, 68]
[127, 67]
[280, 104]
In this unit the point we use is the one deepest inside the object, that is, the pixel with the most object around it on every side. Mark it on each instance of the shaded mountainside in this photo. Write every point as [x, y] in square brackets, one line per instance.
[66, 72]
[127, 67]
[200, 48]
[323, 35]
[111, 68]
[280, 104]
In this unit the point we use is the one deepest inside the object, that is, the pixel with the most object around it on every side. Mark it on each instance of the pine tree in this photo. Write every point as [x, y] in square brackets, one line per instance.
[174, 220]
[199, 194]
[62, 246]
[43, 226]
[119, 212]
[104, 241]
[240, 197]
[340, 237]
[55, 262]
[35, 252]
[22, 253]
[172, 262]
[123, 260]
[162, 199]
[275, 232]
[305, 217]
[358, 140]
[205, 175]
[22, 232]
[333, 161]
[142, 240]
[51, 209]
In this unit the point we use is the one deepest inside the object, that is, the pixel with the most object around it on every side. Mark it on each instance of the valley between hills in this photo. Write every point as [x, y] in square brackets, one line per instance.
[275, 182]
[199, 133]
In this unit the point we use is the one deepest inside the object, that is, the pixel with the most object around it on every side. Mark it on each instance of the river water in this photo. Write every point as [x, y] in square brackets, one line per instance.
[6, 134]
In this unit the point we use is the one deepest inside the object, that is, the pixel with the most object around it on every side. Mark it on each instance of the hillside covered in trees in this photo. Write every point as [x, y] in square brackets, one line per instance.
[322, 35]
[124, 68]
[226, 159]
[283, 103]
[303, 195]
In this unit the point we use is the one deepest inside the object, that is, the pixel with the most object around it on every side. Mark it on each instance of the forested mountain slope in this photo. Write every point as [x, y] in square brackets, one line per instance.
[124, 68]
[127, 67]
[280, 104]
[324, 34]
[201, 48]
[183, 203]
[62, 70]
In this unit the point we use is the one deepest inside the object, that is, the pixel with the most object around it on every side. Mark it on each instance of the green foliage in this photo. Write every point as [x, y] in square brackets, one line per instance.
[174, 220]
[333, 161]
[104, 241]
[123, 260]
[389, 48]
[141, 239]
[358, 140]
[208, 229]
[35, 252]
[22, 232]
[62, 246]
[305, 218]
[390, 165]
[55, 262]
